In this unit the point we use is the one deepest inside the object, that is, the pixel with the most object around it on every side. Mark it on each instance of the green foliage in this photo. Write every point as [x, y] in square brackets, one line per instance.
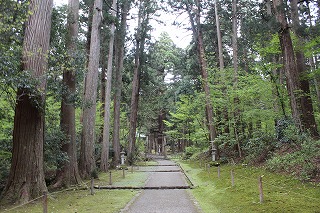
[187, 121]
[6, 128]
[259, 147]
[300, 160]
[53, 135]
[190, 152]
[5, 163]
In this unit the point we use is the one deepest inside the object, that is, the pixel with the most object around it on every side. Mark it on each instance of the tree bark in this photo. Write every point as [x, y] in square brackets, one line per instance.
[220, 49]
[307, 116]
[135, 92]
[26, 178]
[235, 74]
[119, 56]
[291, 71]
[68, 173]
[197, 32]
[87, 158]
[106, 126]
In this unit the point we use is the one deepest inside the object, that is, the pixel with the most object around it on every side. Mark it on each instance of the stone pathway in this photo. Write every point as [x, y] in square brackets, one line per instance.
[164, 200]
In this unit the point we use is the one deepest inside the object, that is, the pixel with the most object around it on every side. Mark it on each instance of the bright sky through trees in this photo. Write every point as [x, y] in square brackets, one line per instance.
[180, 36]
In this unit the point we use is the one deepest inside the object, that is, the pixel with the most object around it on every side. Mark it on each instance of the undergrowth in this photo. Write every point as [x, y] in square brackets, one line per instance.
[281, 193]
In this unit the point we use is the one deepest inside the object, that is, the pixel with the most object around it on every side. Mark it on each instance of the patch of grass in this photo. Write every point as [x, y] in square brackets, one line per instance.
[281, 193]
[132, 178]
[82, 201]
[147, 163]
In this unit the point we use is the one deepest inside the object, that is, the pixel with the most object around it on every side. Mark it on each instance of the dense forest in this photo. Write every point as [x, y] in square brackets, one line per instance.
[82, 82]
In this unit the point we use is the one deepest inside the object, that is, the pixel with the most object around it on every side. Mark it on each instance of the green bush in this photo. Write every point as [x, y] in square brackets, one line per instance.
[260, 147]
[190, 151]
[299, 160]
[5, 163]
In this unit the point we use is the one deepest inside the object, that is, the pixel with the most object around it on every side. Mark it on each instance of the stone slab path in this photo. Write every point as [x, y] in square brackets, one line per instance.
[164, 200]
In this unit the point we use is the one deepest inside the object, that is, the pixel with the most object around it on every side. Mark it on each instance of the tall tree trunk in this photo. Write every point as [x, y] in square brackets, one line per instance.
[106, 126]
[235, 73]
[225, 117]
[68, 172]
[88, 35]
[26, 178]
[220, 49]
[143, 20]
[135, 93]
[119, 56]
[291, 71]
[307, 116]
[87, 158]
[103, 81]
[197, 32]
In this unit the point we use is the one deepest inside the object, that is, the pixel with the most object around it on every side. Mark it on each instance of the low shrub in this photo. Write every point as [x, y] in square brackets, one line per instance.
[260, 147]
[191, 151]
[5, 163]
[299, 160]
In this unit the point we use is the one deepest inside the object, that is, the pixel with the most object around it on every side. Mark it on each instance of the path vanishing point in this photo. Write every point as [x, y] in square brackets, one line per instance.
[173, 198]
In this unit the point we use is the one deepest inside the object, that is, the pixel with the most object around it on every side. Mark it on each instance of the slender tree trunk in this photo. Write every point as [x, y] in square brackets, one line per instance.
[26, 178]
[307, 117]
[135, 96]
[143, 20]
[220, 49]
[235, 74]
[87, 158]
[119, 56]
[203, 68]
[224, 113]
[291, 71]
[68, 172]
[103, 81]
[106, 126]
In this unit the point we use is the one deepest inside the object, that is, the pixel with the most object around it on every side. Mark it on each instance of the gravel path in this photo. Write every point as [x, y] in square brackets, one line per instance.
[163, 201]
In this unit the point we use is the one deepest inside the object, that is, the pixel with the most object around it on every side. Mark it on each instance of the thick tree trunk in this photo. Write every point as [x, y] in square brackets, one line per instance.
[106, 126]
[68, 173]
[307, 117]
[88, 35]
[26, 178]
[87, 158]
[291, 71]
[119, 56]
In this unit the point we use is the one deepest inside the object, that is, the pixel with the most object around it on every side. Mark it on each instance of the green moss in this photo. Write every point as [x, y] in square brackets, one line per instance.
[82, 201]
[281, 193]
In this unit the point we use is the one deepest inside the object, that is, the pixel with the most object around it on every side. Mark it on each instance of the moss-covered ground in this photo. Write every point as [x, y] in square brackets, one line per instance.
[81, 200]
[281, 193]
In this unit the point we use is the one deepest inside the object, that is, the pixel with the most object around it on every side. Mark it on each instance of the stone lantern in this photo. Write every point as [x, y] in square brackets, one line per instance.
[122, 157]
